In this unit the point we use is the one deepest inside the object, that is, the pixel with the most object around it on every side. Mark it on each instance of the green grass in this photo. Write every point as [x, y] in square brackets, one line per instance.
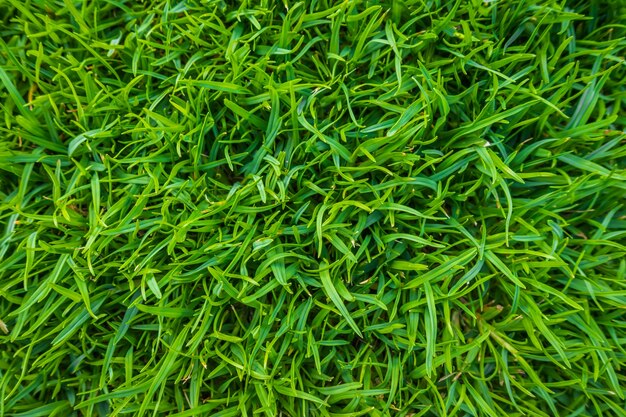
[351, 208]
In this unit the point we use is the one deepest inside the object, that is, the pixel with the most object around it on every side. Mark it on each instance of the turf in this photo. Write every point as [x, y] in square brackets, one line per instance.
[277, 208]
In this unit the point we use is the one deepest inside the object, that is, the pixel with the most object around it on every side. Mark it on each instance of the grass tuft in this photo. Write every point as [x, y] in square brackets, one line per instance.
[277, 208]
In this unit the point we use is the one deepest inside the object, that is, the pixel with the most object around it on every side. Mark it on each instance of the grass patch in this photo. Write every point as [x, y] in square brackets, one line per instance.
[407, 208]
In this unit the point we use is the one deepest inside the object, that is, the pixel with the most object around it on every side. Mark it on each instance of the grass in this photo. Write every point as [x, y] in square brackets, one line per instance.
[276, 208]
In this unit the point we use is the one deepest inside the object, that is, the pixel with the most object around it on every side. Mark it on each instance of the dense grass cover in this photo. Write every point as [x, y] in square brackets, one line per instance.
[408, 208]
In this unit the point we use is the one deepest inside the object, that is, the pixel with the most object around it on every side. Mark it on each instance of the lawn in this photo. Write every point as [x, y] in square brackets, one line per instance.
[317, 208]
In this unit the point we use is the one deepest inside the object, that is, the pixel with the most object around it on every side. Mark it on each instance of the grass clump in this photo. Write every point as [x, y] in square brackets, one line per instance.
[407, 208]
